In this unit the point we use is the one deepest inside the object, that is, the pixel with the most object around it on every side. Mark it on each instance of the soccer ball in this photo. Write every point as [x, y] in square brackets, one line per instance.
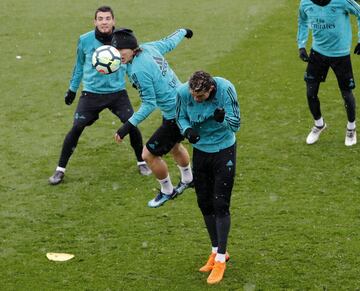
[106, 59]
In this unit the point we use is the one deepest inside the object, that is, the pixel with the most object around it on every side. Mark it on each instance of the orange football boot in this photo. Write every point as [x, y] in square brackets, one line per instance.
[211, 261]
[217, 273]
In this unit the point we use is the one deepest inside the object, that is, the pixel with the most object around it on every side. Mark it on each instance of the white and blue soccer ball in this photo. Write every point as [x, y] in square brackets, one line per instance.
[106, 59]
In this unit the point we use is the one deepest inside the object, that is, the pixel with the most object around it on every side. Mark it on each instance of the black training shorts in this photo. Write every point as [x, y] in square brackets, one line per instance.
[91, 104]
[164, 138]
[319, 65]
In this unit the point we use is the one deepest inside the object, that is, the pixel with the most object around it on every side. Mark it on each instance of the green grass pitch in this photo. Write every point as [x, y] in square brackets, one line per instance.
[295, 208]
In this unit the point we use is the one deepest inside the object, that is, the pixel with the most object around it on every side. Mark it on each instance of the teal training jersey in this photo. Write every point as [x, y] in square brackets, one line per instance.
[330, 25]
[214, 136]
[156, 82]
[92, 80]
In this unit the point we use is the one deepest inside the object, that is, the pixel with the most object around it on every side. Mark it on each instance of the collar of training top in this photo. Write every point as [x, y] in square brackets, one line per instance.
[104, 38]
[321, 2]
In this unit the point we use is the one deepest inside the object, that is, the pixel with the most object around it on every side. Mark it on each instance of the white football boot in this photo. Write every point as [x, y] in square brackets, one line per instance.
[144, 169]
[315, 134]
[350, 137]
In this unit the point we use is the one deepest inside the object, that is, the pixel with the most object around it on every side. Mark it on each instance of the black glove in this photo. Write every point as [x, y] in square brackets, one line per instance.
[189, 33]
[357, 49]
[303, 54]
[125, 129]
[69, 97]
[219, 114]
[192, 135]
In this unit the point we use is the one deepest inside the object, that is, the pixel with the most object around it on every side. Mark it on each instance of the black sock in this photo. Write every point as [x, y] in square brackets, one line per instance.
[312, 90]
[136, 143]
[69, 145]
[222, 229]
[350, 105]
[210, 223]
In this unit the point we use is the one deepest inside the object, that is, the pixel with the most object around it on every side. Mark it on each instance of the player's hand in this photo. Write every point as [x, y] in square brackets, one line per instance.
[303, 55]
[69, 97]
[118, 139]
[189, 33]
[357, 49]
[219, 114]
[192, 135]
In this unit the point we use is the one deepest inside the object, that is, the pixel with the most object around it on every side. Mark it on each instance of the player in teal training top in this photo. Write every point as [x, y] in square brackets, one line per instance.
[98, 93]
[208, 115]
[150, 73]
[330, 24]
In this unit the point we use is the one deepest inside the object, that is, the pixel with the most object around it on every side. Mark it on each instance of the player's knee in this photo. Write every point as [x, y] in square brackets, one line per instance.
[147, 155]
[309, 95]
[123, 114]
[222, 212]
[176, 150]
[311, 91]
[347, 85]
[347, 95]
[77, 129]
[180, 151]
[221, 206]
[206, 207]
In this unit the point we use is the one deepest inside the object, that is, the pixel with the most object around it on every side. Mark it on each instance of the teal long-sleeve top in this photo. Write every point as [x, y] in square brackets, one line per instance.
[330, 26]
[156, 82]
[214, 136]
[84, 72]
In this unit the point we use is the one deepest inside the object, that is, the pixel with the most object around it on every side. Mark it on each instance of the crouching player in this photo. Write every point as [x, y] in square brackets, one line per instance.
[208, 115]
[151, 75]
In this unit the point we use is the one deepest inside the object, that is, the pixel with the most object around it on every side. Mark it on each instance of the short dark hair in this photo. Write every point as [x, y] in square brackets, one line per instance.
[124, 38]
[200, 81]
[104, 9]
